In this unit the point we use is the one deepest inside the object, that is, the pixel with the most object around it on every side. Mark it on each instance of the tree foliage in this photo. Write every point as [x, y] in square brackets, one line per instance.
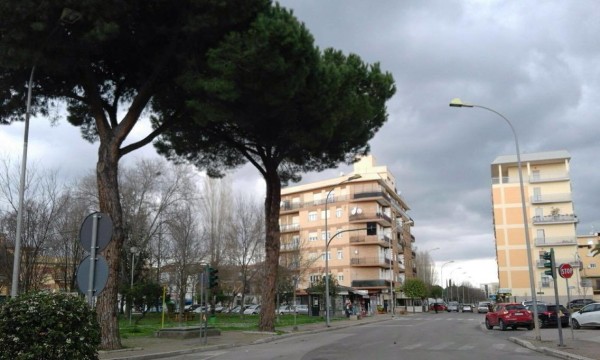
[108, 68]
[272, 98]
[415, 288]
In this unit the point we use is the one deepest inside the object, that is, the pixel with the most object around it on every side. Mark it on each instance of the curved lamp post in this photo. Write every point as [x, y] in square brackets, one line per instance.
[442, 276]
[456, 102]
[327, 299]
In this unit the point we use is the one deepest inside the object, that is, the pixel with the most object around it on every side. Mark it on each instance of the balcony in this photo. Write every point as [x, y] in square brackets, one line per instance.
[289, 227]
[383, 241]
[574, 263]
[370, 261]
[381, 218]
[552, 177]
[554, 219]
[551, 198]
[381, 197]
[377, 283]
[287, 207]
[287, 247]
[556, 241]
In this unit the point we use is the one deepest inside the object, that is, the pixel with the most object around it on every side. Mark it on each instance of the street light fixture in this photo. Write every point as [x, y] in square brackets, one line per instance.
[134, 250]
[442, 276]
[456, 102]
[327, 300]
[67, 17]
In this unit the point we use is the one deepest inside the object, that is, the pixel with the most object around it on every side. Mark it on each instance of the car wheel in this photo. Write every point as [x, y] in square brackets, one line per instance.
[502, 325]
[530, 327]
[488, 325]
[575, 324]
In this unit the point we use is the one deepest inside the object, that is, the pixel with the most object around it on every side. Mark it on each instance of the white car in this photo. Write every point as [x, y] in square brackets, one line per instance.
[589, 315]
[252, 310]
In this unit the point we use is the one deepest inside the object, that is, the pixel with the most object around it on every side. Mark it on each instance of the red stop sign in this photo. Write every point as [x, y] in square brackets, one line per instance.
[565, 271]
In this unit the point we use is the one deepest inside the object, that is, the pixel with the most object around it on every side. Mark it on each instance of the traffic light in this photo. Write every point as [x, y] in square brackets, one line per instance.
[213, 278]
[549, 263]
[371, 228]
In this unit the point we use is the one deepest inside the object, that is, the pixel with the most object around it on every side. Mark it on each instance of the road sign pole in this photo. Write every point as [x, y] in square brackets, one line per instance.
[90, 292]
[558, 321]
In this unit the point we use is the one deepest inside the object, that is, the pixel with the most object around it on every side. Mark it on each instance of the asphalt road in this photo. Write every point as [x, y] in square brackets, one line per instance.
[443, 336]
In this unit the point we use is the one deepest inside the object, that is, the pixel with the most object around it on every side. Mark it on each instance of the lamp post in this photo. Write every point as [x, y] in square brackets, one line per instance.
[442, 276]
[458, 103]
[452, 272]
[68, 16]
[327, 300]
[134, 250]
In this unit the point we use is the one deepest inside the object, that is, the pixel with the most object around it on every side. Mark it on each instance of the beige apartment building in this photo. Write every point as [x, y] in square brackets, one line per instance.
[550, 215]
[370, 264]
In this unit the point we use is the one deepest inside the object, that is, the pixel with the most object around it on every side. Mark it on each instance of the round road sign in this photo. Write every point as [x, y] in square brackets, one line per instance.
[100, 275]
[104, 232]
[565, 270]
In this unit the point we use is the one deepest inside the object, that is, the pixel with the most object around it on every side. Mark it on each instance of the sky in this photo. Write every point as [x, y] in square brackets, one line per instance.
[535, 62]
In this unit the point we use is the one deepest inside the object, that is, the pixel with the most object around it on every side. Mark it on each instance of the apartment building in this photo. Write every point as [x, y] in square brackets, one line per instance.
[586, 282]
[372, 262]
[551, 219]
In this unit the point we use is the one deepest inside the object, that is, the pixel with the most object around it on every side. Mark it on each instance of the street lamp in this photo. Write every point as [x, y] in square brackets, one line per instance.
[67, 17]
[456, 102]
[134, 250]
[442, 276]
[327, 300]
[452, 272]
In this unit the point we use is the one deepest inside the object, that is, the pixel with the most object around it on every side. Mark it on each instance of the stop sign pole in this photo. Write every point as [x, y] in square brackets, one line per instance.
[566, 271]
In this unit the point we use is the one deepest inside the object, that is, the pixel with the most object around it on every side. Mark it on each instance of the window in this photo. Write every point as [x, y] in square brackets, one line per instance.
[312, 255]
[324, 236]
[328, 255]
[314, 278]
[340, 254]
[338, 212]
[312, 216]
[312, 236]
[340, 277]
[545, 281]
[592, 266]
[323, 214]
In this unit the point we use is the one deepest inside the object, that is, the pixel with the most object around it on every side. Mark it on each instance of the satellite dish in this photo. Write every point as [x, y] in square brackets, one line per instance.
[359, 211]
[353, 211]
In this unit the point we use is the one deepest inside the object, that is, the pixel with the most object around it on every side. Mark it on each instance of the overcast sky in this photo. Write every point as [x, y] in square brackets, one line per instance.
[536, 62]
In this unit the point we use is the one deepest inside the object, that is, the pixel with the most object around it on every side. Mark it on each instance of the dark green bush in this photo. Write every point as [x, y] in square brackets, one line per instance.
[48, 326]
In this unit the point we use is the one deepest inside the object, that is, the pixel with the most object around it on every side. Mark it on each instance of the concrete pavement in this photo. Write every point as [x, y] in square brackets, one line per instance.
[579, 345]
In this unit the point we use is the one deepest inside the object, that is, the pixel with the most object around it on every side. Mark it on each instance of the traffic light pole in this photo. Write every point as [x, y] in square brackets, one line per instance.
[558, 320]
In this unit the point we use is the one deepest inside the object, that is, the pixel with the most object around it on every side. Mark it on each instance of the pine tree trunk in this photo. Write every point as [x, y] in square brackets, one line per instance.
[272, 240]
[108, 192]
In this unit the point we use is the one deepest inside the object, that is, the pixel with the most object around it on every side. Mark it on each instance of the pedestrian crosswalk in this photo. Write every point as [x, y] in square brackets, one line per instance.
[433, 318]
[452, 346]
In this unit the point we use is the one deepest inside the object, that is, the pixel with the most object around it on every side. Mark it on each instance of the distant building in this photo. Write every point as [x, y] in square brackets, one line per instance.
[550, 215]
[586, 283]
[371, 264]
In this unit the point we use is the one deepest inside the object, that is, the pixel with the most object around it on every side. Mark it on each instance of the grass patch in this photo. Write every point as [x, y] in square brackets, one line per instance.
[152, 322]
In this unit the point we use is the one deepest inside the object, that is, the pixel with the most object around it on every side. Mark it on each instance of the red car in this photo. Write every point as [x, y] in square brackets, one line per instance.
[507, 315]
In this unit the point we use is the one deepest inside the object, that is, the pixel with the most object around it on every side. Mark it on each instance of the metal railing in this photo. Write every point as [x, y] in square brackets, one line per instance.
[556, 241]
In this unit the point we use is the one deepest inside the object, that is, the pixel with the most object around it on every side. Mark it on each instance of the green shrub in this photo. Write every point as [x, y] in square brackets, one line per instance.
[48, 326]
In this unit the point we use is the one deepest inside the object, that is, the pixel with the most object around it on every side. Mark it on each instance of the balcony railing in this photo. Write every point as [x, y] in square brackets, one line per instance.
[554, 219]
[370, 216]
[369, 261]
[371, 194]
[551, 198]
[370, 240]
[574, 263]
[560, 176]
[370, 283]
[556, 241]
[289, 227]
[289, 247]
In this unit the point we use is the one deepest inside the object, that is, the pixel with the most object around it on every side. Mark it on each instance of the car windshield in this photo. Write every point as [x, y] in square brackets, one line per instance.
[515, 307]
[553, 308]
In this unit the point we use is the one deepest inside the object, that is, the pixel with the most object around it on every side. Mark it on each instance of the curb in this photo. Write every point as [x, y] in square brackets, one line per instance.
[548, 351]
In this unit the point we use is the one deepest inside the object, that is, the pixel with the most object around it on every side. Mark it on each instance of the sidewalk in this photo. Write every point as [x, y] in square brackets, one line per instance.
[144, 348]
[579, 345]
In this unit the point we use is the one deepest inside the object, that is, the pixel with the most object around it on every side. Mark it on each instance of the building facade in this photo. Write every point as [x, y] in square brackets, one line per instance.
[551, 219]
[586, 283]
[373, 262]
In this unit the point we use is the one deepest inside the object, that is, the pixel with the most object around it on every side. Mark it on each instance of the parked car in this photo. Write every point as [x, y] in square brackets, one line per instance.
[301, 309]
[452, 306]
[530, 302]
[467, 308]
[440, 307]
[547, 315]
[234, 310]
[505, 315]
[284, 309]
[589, 315]
[483, 307]
[578, 304]
[252, 310]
